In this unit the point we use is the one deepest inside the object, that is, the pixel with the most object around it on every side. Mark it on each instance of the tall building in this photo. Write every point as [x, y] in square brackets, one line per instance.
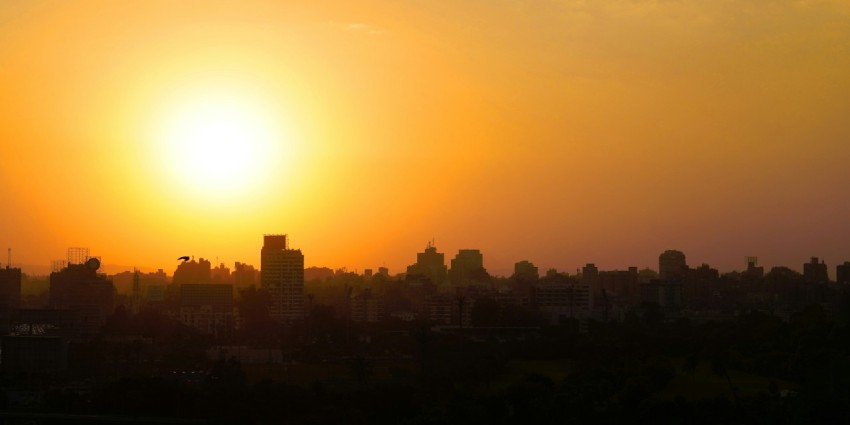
[10, 296]
[671, 265]
[842, 273]
[465, 263]
[282, 275]
[79, 287]
[700, 288]
[815, 271]
[10, 287]
[430, 264]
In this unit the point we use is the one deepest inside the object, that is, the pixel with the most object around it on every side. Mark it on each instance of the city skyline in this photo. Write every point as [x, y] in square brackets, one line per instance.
[432, 251]
[423, 211]
[558, 132]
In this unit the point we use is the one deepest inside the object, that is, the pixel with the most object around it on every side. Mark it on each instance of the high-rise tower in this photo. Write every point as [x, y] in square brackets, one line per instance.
[465, 263]
[671, 265]
[282, 275]
[430, 264]
[815, 271]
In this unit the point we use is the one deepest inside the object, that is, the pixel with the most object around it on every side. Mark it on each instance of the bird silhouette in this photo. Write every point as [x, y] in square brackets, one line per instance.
[184, 258]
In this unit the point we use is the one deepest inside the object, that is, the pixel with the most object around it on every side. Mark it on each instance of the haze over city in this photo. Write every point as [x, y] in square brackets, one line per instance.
[561, 132]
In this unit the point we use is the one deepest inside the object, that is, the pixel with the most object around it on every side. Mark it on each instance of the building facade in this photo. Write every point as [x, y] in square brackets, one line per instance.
[672, 265]
[207, 307]
[842, 273]
[10, 287]
[665, 294]
[815, 271]
[282, 275]
[366, 307]
[465, 263]
[559, 301]
[80, 287]
[429, 264]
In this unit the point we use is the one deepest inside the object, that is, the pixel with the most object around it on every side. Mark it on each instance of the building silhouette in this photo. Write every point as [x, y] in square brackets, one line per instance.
[464, 265]
[244, 275]
[429, 264]
[439, 308]
[842, 273]
[620, 285]
[526, 270]
[366, 307]
[124, 282]
[193, 272]
[666, 294]
[672, 265]
[562, 298]
[754, 271]
[207, 307]
[815, 271]
[10, 287]
[590, 275]
[79, 287]
[220, 274]
[282, 275]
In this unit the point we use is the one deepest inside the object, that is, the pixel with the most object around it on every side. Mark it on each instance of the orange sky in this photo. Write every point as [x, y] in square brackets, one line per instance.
[562, 132]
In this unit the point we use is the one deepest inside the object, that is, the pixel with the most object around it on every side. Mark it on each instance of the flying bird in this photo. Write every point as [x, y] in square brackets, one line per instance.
[184, 258]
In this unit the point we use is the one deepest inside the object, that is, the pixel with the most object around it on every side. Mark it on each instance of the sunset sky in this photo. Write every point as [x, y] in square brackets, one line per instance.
[561, 132]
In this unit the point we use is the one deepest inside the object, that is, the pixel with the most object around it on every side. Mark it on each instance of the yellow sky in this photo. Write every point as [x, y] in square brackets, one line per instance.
[562, 132]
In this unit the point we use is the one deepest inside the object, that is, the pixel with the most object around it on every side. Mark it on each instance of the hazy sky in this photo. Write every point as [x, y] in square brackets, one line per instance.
[562, 132]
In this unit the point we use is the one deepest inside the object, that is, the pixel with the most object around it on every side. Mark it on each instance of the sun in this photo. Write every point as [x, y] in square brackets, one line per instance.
[221, 144]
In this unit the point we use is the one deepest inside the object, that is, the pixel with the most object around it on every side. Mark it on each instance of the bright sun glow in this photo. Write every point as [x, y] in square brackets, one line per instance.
[221, 145]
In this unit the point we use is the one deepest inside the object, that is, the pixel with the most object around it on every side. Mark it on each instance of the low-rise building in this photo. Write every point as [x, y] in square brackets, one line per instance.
[366, 307]
[559, 301]
[207, 307]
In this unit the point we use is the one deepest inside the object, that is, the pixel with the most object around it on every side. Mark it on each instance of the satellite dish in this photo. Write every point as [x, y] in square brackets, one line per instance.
[93, 263]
